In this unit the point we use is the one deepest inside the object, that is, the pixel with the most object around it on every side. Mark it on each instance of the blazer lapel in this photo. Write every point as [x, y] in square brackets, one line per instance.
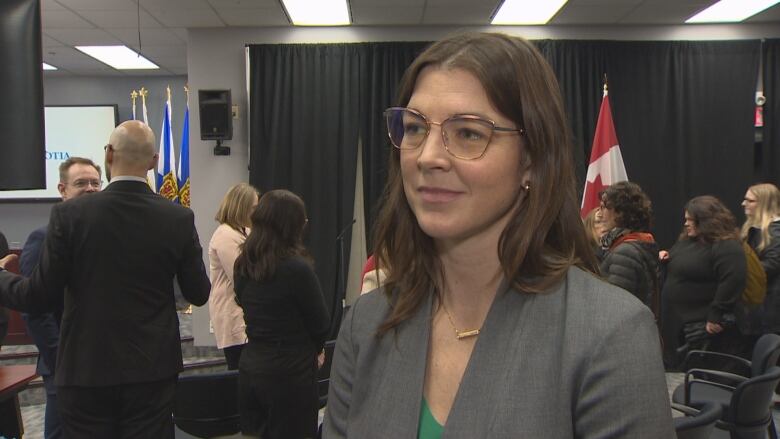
[495, 354]
[402, 382]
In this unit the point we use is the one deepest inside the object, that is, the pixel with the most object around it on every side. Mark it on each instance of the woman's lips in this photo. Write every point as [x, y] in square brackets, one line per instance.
[437, 195]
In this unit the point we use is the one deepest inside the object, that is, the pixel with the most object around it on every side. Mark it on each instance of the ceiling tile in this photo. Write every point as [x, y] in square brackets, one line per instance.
[578, 3]
[149, 37]
[253, 17]
[462, 14]
[63, 19]
[660, 14]
[244, 4]
[47, 41]
[180, 32]
[386, 15]
[180, 5]
[591, 15]
[771, 14]
[187, 17]
[83, 37]
[385, 3]
[86, 5]
[119, 19]
[49, 5]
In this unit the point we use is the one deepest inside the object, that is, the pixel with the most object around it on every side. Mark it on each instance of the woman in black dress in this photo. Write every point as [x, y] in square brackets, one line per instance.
[705, 277]
[286, 323]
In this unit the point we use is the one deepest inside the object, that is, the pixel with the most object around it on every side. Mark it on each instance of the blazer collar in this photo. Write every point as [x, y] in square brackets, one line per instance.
[128, 186]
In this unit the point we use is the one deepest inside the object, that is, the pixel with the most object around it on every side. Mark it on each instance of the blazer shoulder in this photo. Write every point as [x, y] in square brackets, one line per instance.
[599, 300]
[369, 311]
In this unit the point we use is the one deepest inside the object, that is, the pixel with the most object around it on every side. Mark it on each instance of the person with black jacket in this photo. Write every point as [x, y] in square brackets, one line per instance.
[629, 251]
[286, 322]
[705, 276]
[3, 313]
[762, 232]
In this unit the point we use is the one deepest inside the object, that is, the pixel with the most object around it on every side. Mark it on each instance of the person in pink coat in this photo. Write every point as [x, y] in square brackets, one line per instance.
[227, 318]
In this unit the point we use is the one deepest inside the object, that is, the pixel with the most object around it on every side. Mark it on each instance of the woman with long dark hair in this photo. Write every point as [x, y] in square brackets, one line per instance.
[490, 323]
[286, 322]
[705, 277]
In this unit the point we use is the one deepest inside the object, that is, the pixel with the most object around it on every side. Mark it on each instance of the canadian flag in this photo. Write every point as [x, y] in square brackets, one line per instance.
[606, 163]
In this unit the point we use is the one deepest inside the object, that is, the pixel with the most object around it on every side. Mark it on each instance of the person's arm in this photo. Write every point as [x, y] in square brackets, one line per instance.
[770, 256]
[4, 250]
[191, 273]
[311, 303]
[620, 268]
[44, 289]
[342, 376]
[31, 252]
[624, 374]
[730, 265]
[227, 250]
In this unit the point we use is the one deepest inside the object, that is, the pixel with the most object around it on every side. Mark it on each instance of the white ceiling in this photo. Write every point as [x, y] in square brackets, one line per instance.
[163, 23]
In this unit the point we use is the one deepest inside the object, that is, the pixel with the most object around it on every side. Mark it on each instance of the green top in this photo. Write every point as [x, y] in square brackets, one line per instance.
[429, 427]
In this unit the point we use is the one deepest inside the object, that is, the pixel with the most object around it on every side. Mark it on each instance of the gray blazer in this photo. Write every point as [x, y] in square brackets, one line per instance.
[582, 361]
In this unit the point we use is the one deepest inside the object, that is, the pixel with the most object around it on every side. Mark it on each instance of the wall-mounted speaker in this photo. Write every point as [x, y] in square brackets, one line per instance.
[216, 121]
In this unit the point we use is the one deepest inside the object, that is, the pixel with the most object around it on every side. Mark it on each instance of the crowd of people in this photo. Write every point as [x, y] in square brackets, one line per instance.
[493, 310]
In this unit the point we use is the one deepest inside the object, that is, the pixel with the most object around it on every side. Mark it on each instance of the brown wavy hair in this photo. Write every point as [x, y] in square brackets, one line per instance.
[714, 221]
[633, 208]
[544, 236]
[278, 223]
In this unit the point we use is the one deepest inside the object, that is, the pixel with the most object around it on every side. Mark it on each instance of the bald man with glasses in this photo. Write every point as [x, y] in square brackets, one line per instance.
[111, 258]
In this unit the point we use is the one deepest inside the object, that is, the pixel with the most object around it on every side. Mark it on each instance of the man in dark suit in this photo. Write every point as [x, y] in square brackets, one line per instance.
[3, 313]
[117, 252]
[78, 176]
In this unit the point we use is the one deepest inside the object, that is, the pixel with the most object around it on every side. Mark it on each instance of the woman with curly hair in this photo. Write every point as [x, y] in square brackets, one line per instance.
[762, 232]
[705, 277]
[630, 252]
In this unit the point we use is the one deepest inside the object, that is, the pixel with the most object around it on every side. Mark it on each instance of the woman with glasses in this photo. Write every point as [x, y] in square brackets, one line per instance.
[630, 253]
[286, 322]
[489, 323]
[762, 232]
[227, 318]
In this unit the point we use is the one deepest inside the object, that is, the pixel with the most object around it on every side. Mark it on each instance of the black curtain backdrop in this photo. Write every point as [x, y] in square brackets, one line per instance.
[683, 113]
[304, 103]
[770, 147]
[382, 65]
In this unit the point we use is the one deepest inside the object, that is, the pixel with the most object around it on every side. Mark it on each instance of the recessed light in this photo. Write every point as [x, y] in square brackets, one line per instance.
[118, 57]
[731, 11]
[527, 11]
[48, 67]
[318, 12]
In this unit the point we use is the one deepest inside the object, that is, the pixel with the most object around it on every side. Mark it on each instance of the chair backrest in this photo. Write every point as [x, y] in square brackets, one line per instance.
[206, 405]
[765, 354]
[323, 374]
[751, 401]
[699, 426]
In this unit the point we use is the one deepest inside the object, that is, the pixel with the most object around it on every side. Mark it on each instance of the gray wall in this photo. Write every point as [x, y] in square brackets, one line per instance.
[18, 219]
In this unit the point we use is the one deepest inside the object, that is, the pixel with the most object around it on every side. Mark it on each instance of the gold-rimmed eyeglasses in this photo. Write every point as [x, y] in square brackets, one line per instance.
[464, 136]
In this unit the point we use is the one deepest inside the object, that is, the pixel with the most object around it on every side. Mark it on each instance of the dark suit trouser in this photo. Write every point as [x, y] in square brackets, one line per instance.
[136, 410]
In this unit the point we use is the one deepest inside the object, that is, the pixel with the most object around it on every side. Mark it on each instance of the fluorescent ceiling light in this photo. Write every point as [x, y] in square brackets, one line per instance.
[48, 67]
[527, 11]
[730, 11]
[318, 12]
[118, 57]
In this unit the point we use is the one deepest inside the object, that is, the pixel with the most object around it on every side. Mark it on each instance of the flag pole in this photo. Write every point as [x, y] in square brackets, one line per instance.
[133, 97]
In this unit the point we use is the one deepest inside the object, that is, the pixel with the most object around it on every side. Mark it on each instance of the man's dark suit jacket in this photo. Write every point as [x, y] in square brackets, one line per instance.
[117, 252]
[3, 313]
[43, 328]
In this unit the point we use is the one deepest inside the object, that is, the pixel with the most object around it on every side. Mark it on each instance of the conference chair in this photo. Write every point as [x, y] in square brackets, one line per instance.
[206, 405]
[698, 388]
[697, 424]
[749, 414]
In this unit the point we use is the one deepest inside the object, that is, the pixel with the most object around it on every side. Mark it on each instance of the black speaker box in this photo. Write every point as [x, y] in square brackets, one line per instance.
[216, 118]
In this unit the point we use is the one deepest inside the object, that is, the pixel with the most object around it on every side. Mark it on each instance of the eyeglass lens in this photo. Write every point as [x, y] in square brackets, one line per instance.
[463, 137]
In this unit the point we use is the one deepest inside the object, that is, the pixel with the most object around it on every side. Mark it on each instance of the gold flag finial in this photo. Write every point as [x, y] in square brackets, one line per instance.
[134, 95]
[143, 92]
[187, 92]
[605, 85]
[168, 91]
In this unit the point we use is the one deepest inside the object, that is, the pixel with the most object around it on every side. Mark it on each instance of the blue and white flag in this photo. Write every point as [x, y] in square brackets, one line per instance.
[184, 159]
[166, 164]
